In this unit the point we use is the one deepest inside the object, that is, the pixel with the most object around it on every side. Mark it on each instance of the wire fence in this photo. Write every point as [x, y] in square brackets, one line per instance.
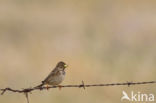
[26, 91]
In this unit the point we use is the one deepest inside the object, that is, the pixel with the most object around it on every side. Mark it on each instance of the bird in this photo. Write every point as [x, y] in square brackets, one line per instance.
[56, 76]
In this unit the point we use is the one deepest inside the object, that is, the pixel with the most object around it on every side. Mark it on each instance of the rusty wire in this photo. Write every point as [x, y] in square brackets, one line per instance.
[82, 85]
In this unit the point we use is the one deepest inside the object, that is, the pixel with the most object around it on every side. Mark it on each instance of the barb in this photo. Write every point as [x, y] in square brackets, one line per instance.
[82, 85]
[29, 90]
[26, 95]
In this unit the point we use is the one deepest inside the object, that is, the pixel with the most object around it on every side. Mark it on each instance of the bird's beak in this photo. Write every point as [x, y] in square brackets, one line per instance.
[65, 65]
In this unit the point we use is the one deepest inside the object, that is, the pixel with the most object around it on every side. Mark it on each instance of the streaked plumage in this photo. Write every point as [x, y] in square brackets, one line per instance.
[56, 76]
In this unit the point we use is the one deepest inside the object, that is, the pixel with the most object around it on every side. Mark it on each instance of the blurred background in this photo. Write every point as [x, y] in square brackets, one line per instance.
[102, 41]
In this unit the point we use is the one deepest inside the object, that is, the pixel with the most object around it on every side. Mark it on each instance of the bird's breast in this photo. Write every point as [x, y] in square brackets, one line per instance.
[58, 78]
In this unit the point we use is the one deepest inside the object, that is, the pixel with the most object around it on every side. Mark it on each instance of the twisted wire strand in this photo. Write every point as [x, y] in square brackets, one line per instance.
[83, 85]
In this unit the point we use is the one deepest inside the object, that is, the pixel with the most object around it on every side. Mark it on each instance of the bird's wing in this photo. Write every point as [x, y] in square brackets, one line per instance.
[52, 73]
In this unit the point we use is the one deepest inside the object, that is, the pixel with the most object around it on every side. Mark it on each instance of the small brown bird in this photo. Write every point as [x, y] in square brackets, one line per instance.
[56, 76]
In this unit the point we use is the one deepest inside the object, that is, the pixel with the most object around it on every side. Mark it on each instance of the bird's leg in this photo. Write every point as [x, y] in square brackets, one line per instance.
[59, 86]
[47, 86]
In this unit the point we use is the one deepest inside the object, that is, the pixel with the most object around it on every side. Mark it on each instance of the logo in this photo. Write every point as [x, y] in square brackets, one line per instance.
[138, 96]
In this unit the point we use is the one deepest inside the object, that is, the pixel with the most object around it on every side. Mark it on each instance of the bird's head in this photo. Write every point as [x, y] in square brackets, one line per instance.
[61, 65]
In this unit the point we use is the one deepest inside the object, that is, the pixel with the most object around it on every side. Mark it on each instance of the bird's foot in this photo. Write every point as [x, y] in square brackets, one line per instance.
[59, 86]
[47, 86]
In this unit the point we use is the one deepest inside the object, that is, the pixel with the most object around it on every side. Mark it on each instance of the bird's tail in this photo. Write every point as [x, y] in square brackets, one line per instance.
[39, 86]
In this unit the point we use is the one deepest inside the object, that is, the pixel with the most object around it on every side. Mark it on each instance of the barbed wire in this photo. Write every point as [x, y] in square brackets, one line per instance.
[82, 85]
